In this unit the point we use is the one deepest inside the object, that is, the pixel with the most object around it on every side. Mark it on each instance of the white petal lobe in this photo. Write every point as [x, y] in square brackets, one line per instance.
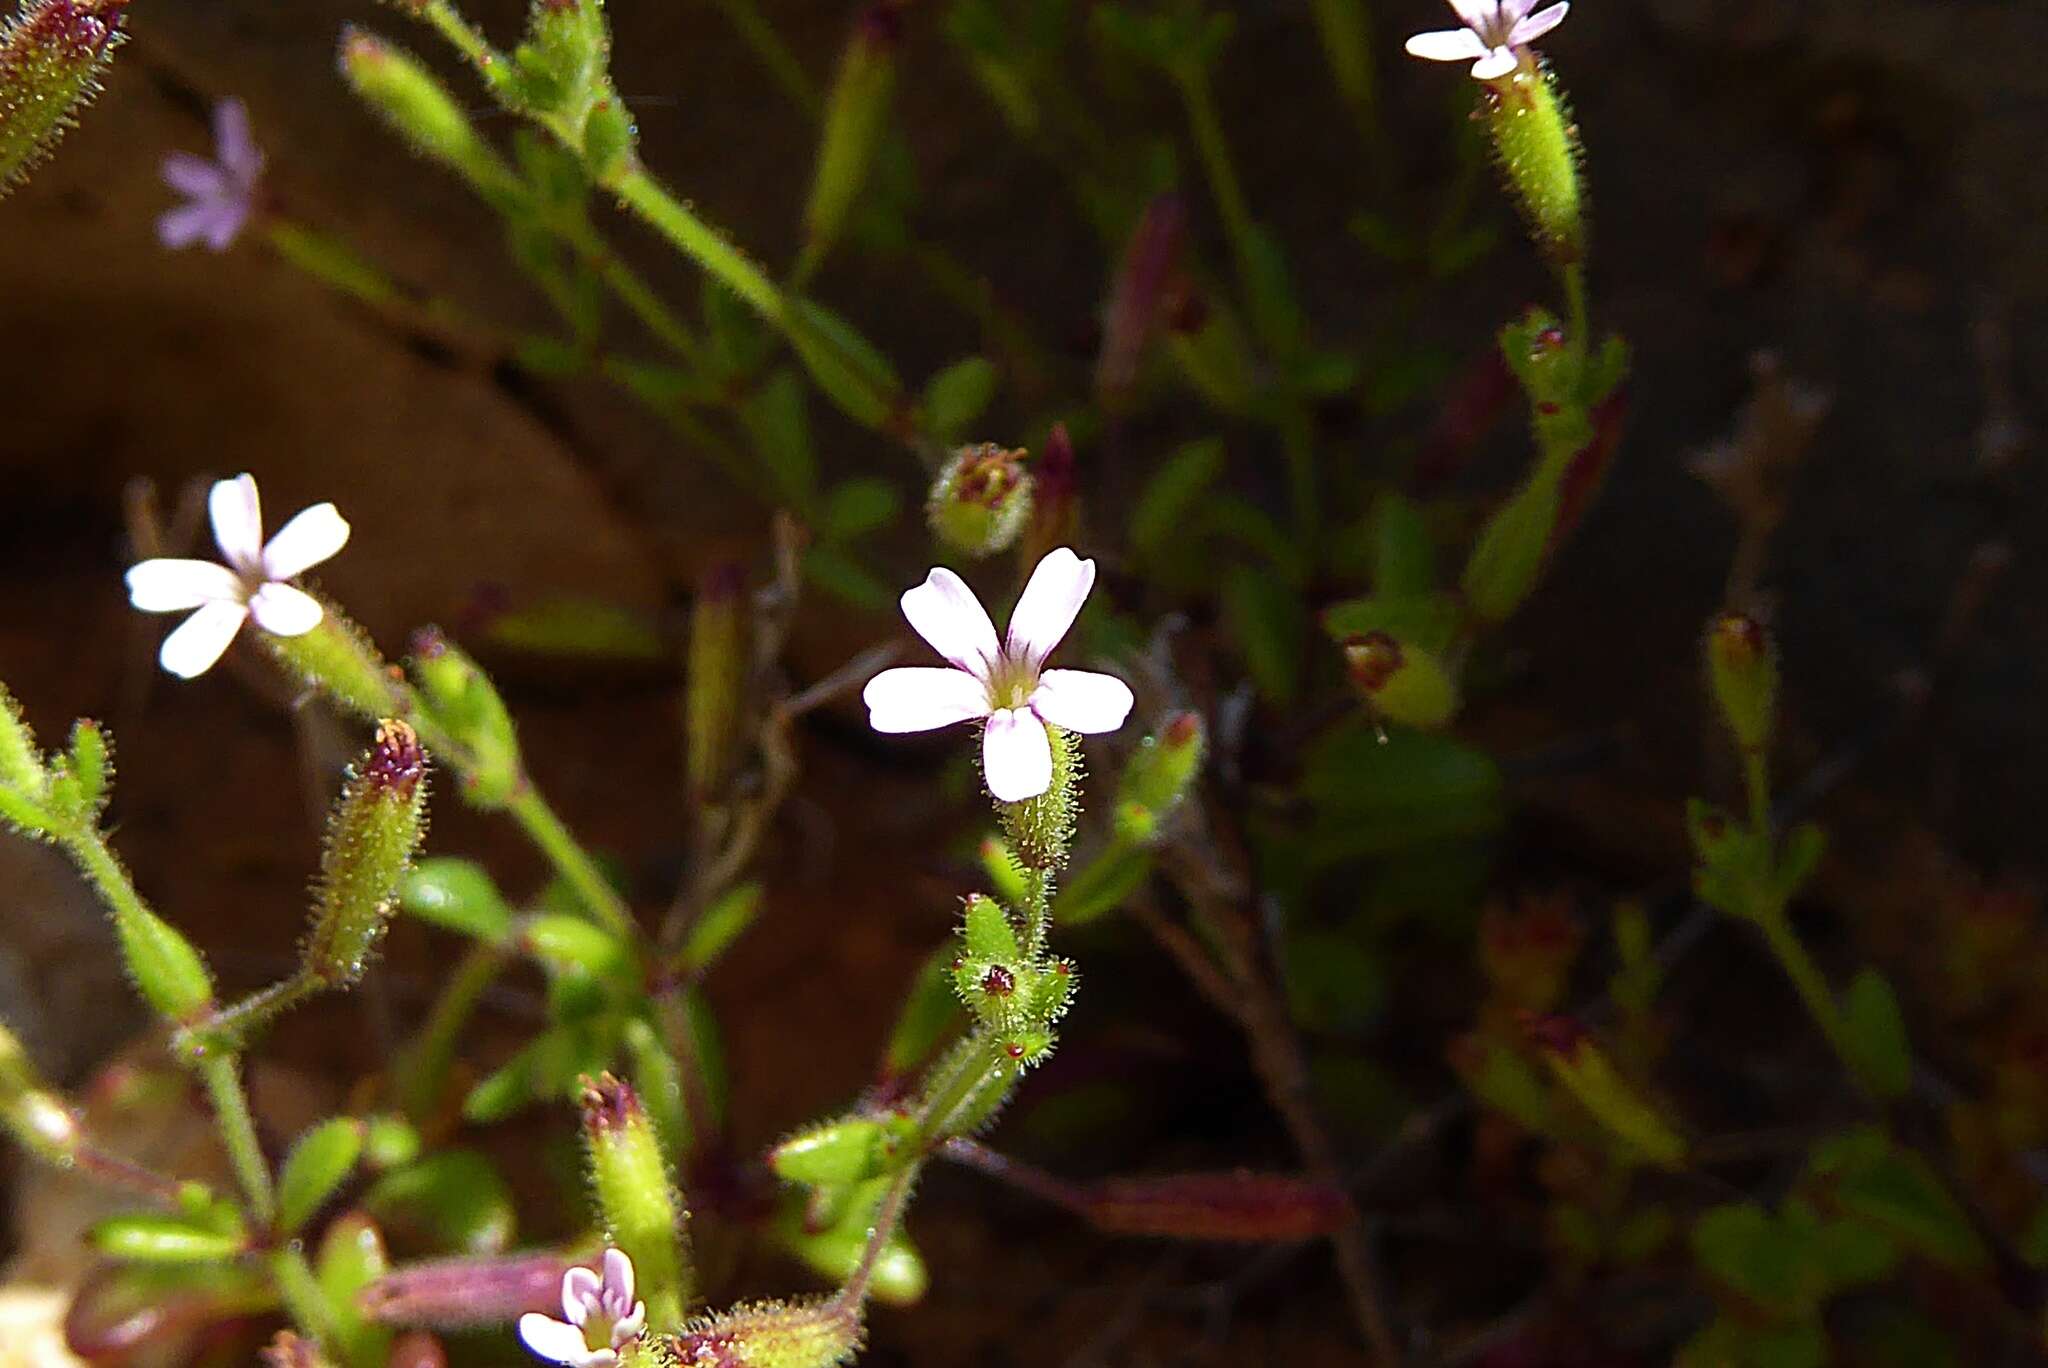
[284, 611]
[580, 1288]
[171, 586]
[1050, 603]
[552, 1339]
[1082, 700]
[1536, 25]
[312, 536]
[237, 514]
[1016, 755]
[618, 1275]
[1447, 45]
[915, 699]
[945, 612]
[200, 640]
[1494, 65]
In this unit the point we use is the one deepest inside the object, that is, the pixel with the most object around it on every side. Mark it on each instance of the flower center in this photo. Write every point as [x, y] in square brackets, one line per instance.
[1011, 682]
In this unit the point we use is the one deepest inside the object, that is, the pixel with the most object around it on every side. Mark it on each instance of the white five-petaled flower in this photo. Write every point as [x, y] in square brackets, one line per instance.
[600, 1317]
[250, 584]
[1006, 684]
[1494, 33]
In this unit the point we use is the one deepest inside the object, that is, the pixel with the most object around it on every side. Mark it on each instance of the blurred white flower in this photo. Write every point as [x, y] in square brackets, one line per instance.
[1494, 30]
[600, 1317]
[250, 584]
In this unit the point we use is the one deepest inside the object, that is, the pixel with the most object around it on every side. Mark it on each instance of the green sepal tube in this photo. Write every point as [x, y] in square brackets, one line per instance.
[630, 1180]
[81, 775]
[421, 109]
[372, 836]
[772, 1334]
[337, 658]
[717, 670]
[1159, 775]
[21, 764]
[981, 501]
[52, 55]
[1742, 666]
[856, 115]
[1403, 683]
[458, 698]
[1041, 830]
[1537, 145]
[853, 1149]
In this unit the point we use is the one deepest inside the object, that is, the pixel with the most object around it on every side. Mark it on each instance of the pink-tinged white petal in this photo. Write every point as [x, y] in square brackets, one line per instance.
[284, 611]
[557, 1341]
[581, 1288]
[226, 224]
[1016, 755]
[197, 642]
[233, 142]
[170, 586]
[1051, 601]
[1477, 14]
[1512, 12]
[192, 175]
[312, 536]
[1447, 45]
[237, 513]
[630, 1326]
[1082, 700]
[945, 612]
[181, 227]
[1495, 65]
[618, 1276]
[915, 699]
[1536, 25]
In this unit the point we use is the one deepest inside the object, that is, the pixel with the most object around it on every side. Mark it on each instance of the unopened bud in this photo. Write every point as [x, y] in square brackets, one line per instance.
[21, 764]
[717, 680]
[33, 1114]
[1056, 496]
[853, 1150]
[635, 1196]
[1140, 296]
[856, 116]
[805, 1334]
[1586, 1072]
[1404, 684]
[458, 698]
[1538, 147]
[52, 56]
[1742, 665]
[456, 1294]
[371, 839]
[1158, 777]
[981, 501]
[419, 107]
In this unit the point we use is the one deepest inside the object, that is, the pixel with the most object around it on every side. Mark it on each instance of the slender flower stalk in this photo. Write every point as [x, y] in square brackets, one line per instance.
[252, 583]
[1003, 685]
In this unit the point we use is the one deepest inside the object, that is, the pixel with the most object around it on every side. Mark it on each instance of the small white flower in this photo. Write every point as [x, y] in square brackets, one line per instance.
[1494, 32]
[251, 584]
[1006, 685]
[600, 1317]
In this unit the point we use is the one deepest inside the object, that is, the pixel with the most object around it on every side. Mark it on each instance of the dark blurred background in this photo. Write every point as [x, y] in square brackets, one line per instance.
[1854, 185]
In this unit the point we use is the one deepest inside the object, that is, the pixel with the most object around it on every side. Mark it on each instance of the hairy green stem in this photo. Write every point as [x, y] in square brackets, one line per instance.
[227, 1030]
[1807, 981]
[572, 862]
[423, 1070]
[299, 1289]
[222, 1076]
[703, 244]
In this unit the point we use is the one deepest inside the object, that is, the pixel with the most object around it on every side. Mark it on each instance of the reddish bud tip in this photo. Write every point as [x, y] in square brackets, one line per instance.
[998, 981]
[429, 643]
[609, 1104]
[1551, 1032]
[880, 25]
[1183, 730]
[1739, 639]
[1014, 1049]
[396, 763]
[1372, 660]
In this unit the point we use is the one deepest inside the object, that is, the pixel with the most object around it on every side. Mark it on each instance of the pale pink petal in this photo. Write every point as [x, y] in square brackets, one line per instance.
[191, 175]
[1016, 755]
[179, 228]
[581, 1288]
[1447, 45]
[1536, 25]
[232, 142]
[618, 1275]
[226, 225]
[915, 699]
[945, 612]
[1495, 65]
[199, 640]
[284, 611]
[554, 1340]
[237, 513]
[630, 1326]
[1051, 601]
[171, 586]
[1512, 11]
[312, 536]
[1082, 700]
[1477, 14]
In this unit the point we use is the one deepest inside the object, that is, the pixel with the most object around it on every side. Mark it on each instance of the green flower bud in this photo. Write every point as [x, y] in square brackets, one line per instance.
[337, 658]
[805, 1334]
[856, 117]
[981, 501]
[1041, 830]
[458, 698]
[722, 923]
[33, 1114]
[1742, 665]
[1403, 684]
[717, 680]
[52, 55]
[21, 764]
[80, 776]
[987, 931]
[371, 838]
[421, 109]
[1537, 145]
[854, 1149]
[610, 139]
[630, 1179]
[1590, 1076]
[1158, 776]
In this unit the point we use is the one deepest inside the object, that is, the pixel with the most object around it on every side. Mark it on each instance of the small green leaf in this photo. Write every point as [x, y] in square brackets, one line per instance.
[1404, 553]
[352, 1257]
[1166, 506]
[780, 430]
[1269, 625]
[454, 1200]
[987, 931]
[165, 1239]
[956, 396]
[318, 1163]
[457, 895]
[1102, 885]
[1334, 984]
[931, 1012]
[1877, 1035]
[857, 507]
[722, 923]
